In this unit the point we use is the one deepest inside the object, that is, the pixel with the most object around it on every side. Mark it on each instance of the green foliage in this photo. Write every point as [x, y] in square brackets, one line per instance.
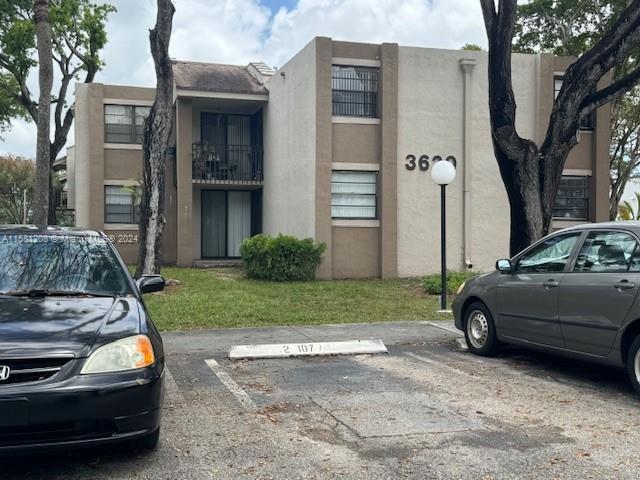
[431, 283]
[16, 175]
[79, 35]
[472, 47]
[281, 259]
[626, 210]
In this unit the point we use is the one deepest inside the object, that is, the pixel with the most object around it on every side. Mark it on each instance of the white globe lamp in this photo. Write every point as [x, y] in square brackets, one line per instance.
[443, 172]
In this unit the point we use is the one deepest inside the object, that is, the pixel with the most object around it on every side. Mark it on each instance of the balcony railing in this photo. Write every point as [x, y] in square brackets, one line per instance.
[227, 163]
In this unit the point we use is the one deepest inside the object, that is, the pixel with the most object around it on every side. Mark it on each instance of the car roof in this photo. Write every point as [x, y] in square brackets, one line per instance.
[623, 224]
[47, 230]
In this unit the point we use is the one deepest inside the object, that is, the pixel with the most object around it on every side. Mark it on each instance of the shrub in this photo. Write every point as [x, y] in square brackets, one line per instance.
[431, 283]
[281, 259]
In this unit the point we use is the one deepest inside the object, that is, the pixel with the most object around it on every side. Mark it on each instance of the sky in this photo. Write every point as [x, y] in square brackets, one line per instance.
[240, 31]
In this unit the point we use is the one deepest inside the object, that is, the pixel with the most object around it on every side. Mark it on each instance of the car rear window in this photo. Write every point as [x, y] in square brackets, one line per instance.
[62, 263]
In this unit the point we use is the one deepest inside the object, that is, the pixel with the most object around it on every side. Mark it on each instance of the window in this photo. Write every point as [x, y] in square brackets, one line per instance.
[124, 123]
[572, 200]
[354, 91]
[353, 194]
[549, 256]
[60, 262]
[612, 252]
[121, 204]
[586, 123]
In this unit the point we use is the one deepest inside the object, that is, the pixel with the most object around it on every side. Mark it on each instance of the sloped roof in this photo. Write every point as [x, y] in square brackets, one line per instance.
[215, 77]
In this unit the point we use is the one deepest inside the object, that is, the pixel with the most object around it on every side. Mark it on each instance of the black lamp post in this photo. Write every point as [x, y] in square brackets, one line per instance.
[443, 173]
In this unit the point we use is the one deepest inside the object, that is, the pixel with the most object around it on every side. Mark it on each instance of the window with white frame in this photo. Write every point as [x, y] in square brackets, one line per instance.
[124, 123]
[572, 200]
[354, 194]
[121, 204]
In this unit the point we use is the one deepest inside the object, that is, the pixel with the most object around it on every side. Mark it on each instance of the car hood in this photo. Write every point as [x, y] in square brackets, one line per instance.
[52, 326]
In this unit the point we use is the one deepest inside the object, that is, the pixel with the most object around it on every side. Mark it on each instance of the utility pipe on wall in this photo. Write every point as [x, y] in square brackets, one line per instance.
[467, 65]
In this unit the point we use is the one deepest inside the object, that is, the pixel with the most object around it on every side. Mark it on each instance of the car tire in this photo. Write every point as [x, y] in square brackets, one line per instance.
[150, 441]
[633, 364]
[480, 331]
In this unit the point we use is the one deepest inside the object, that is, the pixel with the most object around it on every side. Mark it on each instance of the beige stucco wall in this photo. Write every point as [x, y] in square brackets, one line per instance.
[356, 252]
[356, 143]
[290, 148]
[430, 121]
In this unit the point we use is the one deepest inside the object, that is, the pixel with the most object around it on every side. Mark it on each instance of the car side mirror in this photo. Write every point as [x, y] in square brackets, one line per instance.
[150, 283]
[504, 266]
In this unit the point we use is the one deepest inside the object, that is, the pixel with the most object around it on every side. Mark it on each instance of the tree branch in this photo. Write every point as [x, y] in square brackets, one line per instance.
[489, 14]
[610, 93]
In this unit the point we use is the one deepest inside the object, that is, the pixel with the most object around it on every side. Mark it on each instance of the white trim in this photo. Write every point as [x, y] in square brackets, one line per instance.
[559, 74]
[355, 223]
[257, 97]
[358, 167]
[355, 62]
[356, 120]
[123, 183]
[577, 172]
[123, 146]
[120, 226]
[125, 102]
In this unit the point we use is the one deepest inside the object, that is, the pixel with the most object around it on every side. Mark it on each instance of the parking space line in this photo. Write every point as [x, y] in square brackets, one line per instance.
[438, 364]
[171, 387]
[233, 387]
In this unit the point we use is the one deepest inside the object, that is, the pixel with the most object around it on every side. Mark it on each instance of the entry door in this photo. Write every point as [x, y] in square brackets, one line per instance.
[528, 298]
[239, 221]
[214, 224]
[596, 296]
[226, 222]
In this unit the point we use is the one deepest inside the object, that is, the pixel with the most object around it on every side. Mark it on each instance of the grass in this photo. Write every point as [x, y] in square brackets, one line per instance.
[225, 298]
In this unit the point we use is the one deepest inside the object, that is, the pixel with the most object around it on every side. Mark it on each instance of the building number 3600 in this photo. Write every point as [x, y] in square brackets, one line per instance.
[423, 161]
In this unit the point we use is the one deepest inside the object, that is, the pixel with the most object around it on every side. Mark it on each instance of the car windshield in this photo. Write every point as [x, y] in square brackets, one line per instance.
[32, 264]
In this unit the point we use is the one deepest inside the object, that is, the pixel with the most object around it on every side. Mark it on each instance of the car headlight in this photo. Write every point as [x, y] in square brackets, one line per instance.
[127, 354]
[460, 288]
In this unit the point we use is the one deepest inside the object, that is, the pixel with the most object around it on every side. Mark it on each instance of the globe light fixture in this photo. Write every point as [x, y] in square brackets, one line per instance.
[443, 173]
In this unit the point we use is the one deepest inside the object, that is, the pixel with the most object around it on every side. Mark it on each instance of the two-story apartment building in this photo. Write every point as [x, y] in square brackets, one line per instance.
[335, 145]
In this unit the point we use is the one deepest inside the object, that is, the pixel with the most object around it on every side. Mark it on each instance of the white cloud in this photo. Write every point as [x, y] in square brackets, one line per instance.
[239, 31]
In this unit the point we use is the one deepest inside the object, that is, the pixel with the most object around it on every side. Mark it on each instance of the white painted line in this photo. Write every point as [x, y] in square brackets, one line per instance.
[232, 386]
[448, 326]
[171, 387]
[439, 364]
[307, 349]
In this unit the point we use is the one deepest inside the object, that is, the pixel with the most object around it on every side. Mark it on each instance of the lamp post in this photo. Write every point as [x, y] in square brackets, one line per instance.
[443, 173]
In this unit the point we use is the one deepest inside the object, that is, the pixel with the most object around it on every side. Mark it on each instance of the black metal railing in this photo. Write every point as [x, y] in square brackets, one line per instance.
[227, 163]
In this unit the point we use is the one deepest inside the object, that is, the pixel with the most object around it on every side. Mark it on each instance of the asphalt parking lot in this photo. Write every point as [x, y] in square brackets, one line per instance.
[424, 410]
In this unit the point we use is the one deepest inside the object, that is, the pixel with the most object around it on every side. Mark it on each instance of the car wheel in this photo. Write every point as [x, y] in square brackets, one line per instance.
[480, 331]
[633, 364]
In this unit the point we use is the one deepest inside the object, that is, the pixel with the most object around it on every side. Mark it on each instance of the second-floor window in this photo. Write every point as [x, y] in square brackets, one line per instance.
[354, 91]
[124, 123]
[121, 204]
[572, 201]
[588, 123]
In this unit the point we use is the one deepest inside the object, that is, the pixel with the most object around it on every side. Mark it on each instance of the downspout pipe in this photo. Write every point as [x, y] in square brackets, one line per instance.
[467, 65]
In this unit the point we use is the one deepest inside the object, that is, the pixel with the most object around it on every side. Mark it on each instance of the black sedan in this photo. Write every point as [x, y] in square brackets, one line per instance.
[575, 293]
[81, 363]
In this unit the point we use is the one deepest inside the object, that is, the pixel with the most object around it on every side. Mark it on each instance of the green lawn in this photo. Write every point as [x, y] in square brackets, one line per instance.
[224, 298]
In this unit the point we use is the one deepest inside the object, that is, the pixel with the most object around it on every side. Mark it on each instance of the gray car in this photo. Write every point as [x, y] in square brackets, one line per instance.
[575, 292]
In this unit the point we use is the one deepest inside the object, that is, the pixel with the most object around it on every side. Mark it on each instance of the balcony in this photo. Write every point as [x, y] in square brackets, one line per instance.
[227, 164]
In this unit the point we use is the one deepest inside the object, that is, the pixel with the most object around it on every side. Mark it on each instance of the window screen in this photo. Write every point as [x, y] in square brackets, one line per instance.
[572, 200]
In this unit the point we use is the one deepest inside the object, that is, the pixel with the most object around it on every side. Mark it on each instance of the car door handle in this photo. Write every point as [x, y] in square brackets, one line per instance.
[624, 285]
[551, 283]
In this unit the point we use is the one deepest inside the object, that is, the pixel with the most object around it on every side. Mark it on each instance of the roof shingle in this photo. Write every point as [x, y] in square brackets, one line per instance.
[215, 77]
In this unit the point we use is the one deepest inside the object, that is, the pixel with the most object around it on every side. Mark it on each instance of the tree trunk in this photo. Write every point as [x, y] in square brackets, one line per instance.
[531, 173]
[156, 141]
[45, 79]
